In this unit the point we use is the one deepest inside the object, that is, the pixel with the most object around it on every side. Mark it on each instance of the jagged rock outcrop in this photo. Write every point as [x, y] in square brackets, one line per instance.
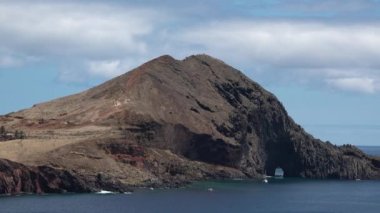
[16, 178]
[207, 117]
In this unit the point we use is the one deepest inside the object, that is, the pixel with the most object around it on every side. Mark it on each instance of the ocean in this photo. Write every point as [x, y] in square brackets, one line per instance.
[278, 195]
[371, 150]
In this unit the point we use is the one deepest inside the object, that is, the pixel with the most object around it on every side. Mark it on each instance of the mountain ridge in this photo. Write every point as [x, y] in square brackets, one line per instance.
[210, 119]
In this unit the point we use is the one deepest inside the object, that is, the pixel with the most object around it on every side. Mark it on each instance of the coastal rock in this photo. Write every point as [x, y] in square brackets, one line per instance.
[16, 178]
[172, 121]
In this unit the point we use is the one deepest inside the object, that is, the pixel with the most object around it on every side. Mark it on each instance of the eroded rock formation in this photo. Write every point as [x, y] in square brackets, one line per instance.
[16, 178]
[208, 118]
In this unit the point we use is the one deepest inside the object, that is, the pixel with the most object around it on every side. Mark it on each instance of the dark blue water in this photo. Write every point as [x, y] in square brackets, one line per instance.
[286, 195]
[371, 150]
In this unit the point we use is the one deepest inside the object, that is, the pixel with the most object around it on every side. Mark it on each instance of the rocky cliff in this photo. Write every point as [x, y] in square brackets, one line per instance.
[16, 178]
[208, 118]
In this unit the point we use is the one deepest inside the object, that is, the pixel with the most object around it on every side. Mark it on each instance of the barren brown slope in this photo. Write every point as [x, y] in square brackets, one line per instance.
[158, 89]
[207, 117]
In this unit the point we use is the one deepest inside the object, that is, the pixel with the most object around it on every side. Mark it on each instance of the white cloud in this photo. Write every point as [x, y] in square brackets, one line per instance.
[301, 50]
[73, 29]
[290, 44]
[108, 69]
[79, 38]
[104, 40]
[365, 85]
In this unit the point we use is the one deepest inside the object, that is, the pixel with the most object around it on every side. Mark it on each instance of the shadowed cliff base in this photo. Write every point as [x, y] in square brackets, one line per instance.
[172, 121]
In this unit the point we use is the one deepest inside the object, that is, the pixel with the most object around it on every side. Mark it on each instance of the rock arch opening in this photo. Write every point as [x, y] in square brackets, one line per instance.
[282, 154]
[279, 172]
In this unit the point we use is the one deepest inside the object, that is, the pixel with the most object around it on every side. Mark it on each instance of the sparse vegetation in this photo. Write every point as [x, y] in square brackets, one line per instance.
[2, 130]
[6, 135]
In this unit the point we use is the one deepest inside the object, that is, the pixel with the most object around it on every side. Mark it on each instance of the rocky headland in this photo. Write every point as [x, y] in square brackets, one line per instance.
[166, 123]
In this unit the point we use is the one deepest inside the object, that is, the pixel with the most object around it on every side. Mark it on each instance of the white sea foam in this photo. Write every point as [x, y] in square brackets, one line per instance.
[105, 192]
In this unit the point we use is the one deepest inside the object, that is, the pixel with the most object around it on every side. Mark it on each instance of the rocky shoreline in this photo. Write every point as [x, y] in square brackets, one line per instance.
[16, 178]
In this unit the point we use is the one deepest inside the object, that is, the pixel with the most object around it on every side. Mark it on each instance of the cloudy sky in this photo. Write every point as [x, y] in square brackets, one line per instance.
[320, 57]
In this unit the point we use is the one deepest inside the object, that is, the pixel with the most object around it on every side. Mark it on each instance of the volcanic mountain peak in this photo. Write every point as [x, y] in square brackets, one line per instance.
[164, 88]
[170, 121]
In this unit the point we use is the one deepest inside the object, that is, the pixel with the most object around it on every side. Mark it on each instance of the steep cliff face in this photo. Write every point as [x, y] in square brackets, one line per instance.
[203, 112]
[16, 178]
